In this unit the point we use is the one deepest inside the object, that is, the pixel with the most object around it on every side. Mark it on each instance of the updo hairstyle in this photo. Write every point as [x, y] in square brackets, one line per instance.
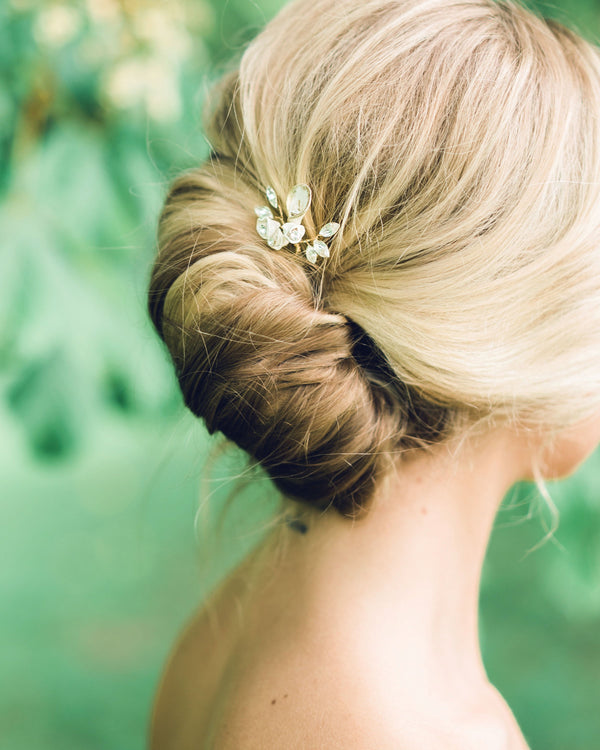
[457, 142]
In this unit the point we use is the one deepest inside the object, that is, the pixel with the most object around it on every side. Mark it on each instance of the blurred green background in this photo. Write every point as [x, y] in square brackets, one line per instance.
[100, 466]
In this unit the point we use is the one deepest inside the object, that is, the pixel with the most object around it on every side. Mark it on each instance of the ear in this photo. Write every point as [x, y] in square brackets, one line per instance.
[562, 452]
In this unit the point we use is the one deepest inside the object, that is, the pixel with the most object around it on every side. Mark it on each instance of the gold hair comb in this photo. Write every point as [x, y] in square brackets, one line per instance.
[279, 231]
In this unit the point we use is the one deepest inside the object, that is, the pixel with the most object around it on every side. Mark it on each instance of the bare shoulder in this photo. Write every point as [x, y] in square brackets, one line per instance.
[302, 699]
[307, 734]
[287, 714]
[261, 674]
[297, 693]
[192, 679]
[335, 721]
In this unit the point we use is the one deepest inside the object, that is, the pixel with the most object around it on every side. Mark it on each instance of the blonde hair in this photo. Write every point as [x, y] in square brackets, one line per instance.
[457, 142]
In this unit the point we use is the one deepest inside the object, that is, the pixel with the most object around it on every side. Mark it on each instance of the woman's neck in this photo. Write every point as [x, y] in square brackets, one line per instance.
[404, 581]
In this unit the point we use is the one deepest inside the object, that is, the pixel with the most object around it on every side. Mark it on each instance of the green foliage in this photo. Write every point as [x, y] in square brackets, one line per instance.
[100, 105]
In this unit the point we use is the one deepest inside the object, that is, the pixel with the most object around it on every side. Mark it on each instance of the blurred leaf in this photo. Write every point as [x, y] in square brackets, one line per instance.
[45, 400]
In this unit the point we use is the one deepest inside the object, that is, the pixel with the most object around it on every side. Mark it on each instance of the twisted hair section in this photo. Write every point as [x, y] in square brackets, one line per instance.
[295, 386]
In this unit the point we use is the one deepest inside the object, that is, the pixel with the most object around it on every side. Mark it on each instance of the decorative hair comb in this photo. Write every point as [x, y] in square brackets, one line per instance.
[290, 230]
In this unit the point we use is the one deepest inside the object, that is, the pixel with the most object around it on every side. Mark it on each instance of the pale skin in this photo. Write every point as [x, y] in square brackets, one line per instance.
[363, 635]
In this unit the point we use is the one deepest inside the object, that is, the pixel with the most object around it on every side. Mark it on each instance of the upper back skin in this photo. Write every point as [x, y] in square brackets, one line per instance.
[244, 678]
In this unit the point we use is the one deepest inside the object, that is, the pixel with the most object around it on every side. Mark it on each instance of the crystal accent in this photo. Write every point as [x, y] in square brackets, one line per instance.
[298, 201]
[329, 229]
[266, 226]
[278, 232]
[321, 248]
[262, 211]
[277, 239]
[294, 232]
[311, 254]
[272, 197]
[262, 226]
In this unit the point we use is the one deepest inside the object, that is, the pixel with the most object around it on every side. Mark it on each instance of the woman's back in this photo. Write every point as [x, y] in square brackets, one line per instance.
[241, 677]
[193, 685]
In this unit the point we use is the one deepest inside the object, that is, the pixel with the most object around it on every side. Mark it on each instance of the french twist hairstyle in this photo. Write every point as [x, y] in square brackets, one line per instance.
[303, 390]
[457, 143]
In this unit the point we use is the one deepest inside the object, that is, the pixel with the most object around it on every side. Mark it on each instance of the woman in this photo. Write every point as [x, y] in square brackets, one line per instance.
[384, 285]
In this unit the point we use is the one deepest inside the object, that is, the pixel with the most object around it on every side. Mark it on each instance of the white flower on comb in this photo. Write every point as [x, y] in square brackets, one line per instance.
[279, 231]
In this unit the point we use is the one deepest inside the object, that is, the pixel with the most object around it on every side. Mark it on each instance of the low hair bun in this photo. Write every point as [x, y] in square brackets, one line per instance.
[290, 383]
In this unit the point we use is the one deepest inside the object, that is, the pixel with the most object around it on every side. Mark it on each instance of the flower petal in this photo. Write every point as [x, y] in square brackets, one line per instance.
[298, 200]
[321, 248]
[293, 231]
[277, 239]
[262, 211]
[329, 229]
[266, 226]
[272, 196]
[311, 254]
